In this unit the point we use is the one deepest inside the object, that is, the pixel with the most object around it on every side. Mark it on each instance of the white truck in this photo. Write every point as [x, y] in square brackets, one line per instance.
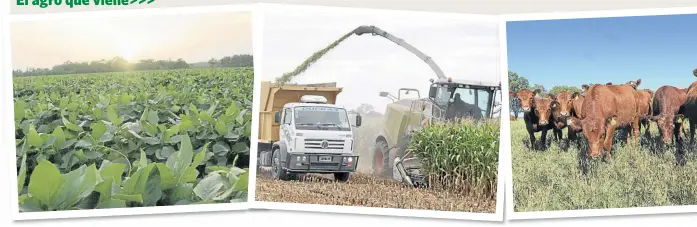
[308, 134]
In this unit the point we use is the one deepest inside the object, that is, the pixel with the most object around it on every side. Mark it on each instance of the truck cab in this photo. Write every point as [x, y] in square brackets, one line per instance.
[313, 137]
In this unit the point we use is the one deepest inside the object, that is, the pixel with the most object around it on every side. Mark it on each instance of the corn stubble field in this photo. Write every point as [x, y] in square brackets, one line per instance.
[467, 185]
[636, 177]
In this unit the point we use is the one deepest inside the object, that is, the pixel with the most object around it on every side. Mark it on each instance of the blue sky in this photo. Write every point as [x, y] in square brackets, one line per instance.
[660, 50]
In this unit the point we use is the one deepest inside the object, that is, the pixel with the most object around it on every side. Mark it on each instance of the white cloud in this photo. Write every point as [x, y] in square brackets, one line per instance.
[464, 48]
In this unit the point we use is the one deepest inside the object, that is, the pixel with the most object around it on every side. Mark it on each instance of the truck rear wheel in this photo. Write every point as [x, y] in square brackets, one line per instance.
[381, 159]
[278, 173]
[343, 177]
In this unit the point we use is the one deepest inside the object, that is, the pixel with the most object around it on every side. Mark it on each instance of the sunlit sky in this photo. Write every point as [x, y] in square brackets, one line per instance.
[464, 48]
[192, 37]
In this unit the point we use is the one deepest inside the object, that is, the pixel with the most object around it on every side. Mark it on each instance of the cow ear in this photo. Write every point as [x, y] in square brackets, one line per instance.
[608, 83]
[510, 93]
[575, 95]
[549, 96]
[585, 87]
[638, 82]
[537, 92]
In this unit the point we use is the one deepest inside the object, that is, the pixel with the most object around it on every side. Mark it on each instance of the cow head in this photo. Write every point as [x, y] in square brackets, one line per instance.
[634, 83]
[577, 102]
[525, 98]
[594, 130]
[543, 109]
[562, 102]
[666, 125]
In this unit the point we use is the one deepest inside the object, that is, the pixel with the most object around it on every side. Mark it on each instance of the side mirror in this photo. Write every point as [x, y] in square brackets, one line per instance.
[432, 92]
[358, 120]
[384, 94]
[277, 117]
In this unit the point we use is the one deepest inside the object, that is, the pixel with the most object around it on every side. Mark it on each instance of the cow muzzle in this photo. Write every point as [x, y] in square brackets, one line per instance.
[564, 114]
[543, 123]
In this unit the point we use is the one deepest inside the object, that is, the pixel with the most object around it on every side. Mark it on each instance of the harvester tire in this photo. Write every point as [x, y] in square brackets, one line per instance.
[381, 159]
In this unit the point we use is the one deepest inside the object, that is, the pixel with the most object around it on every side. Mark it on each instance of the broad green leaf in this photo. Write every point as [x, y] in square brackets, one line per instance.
[232, 109]
[210, 187]
[33, 137]
[240, 148]
[152, 192]
[21, 179]
[71, 126]
[20, 108]
[200, 157]
[170, 132]
[98, 130]
[111, 203]
[143, 161]
[248, 130]
[113, 116]
[167, 180]
[45, 183]
[242, 182]
[221, 127]
[153, 118]
[129, 198]
[78, 185]
[221, 148]
[72, 106]
[60, 137]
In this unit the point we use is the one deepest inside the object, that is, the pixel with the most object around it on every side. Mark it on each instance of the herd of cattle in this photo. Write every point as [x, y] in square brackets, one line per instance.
[599, 109]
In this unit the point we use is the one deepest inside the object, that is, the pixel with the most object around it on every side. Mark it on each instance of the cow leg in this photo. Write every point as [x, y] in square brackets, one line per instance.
[544, 139]
[635, 129]
[608, 137]
[532, 140]
[647, 133]
[692, 132]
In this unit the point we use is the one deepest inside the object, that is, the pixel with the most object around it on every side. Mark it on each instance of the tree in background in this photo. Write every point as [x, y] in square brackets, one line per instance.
[563, 88]
[515, 84]
[119, 64]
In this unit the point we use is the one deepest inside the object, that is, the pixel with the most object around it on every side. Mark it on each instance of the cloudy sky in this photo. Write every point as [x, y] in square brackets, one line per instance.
[464, 48]
[193, 37]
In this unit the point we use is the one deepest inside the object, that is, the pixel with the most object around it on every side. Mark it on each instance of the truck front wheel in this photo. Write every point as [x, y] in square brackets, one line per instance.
[277, 173]
[343, 177]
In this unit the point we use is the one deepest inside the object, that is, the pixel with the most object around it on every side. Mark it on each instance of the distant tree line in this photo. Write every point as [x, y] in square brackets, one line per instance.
[119, 64]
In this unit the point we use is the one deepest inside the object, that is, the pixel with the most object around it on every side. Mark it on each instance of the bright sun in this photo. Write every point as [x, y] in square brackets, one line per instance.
[128, 51]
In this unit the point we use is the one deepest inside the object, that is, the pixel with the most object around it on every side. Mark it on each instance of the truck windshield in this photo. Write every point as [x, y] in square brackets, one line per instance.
[321, 118]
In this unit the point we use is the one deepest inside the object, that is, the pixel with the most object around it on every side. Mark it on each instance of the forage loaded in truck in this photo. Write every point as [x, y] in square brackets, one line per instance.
[302, 131]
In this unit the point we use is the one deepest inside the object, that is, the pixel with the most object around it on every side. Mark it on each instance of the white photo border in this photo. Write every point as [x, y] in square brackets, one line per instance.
[258, 67]
[7, 129]
[511, 214]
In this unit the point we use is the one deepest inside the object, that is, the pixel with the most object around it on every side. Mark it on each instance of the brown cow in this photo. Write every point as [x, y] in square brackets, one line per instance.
[561, 110]
[691, 107]
[606, 108]
[667, 112]
[527, 100]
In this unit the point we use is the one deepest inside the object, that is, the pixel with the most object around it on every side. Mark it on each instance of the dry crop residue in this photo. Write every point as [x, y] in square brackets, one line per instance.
[366, 190]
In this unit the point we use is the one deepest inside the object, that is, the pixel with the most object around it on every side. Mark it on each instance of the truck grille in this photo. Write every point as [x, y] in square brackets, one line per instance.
[330, 144]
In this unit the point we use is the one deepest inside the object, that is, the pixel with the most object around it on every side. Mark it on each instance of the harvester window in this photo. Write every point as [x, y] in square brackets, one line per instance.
[483, 101]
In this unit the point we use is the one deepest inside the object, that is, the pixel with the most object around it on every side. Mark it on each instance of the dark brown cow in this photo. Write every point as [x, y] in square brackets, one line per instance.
[667, 112]
[606, 108]
[528, 99]
[561, 110]
[691, 107]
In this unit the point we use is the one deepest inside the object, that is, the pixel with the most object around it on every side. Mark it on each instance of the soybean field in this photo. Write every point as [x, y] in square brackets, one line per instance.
[132, 139]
